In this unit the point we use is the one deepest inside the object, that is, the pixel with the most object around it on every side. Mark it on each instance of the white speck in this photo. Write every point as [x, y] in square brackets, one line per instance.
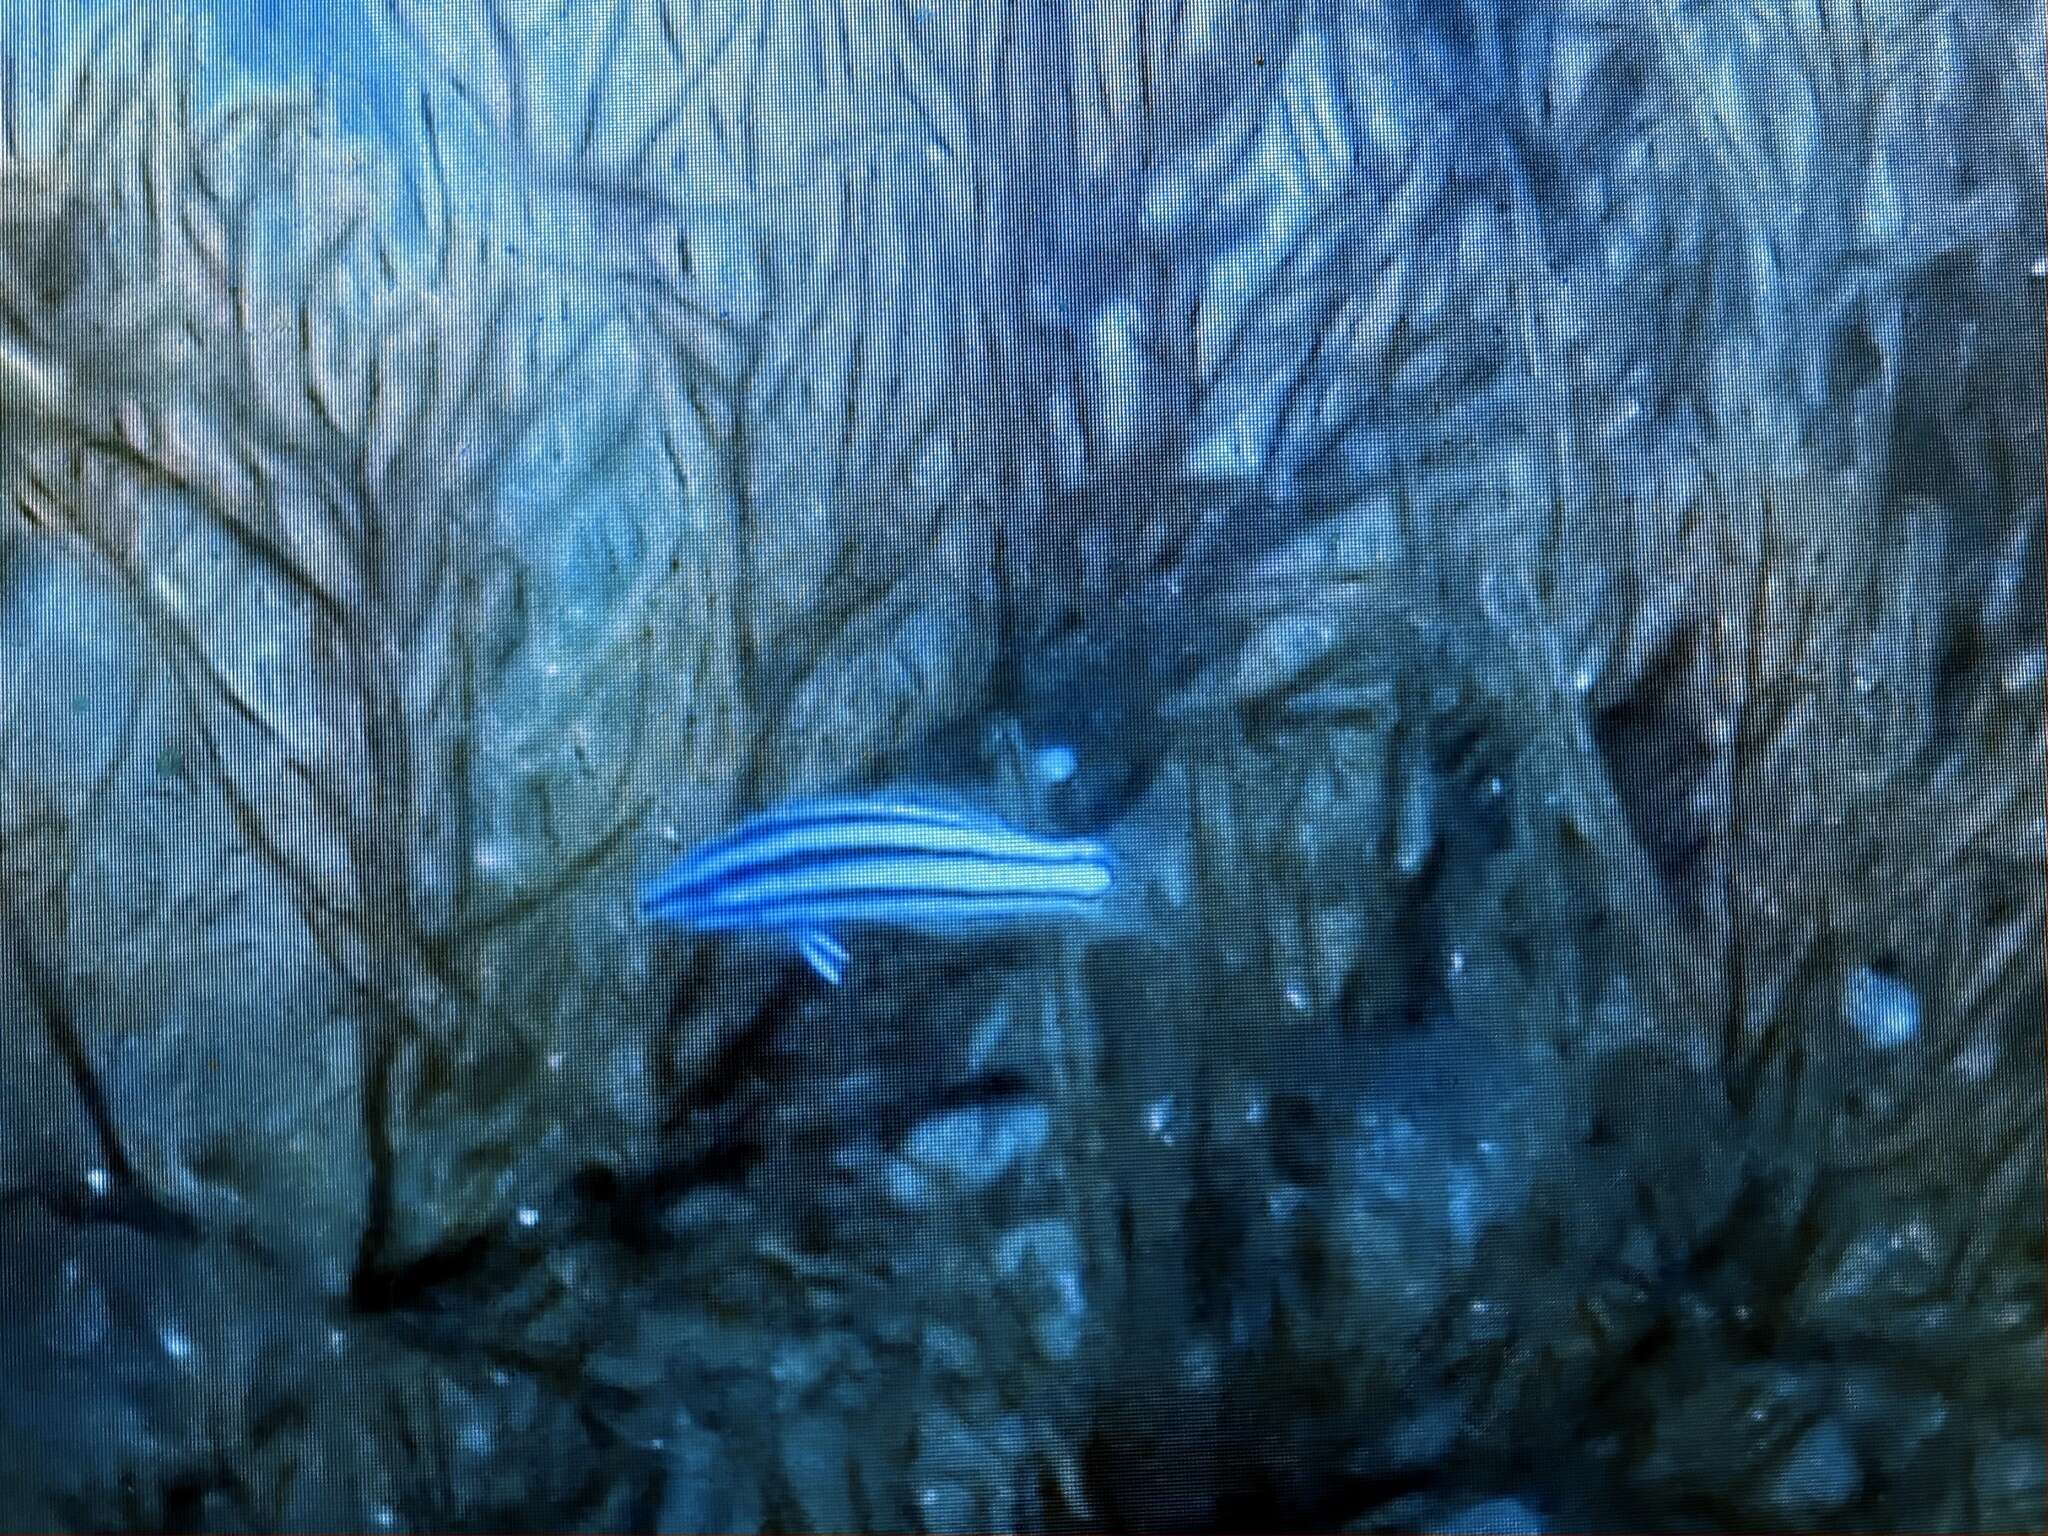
[2024, 671]
[1255, 1110]
[528, 1216]
[1160, 1115]
[1054, 765]
[98, 1180]
[176, 1342]
[1457, 962]
[1297, 997]
[2040, 266]
[337, 1342]
[1884, 1011]
[555, 1060]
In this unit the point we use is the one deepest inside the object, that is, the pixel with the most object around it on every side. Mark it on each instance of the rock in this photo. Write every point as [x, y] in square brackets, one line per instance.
[1820, 1474]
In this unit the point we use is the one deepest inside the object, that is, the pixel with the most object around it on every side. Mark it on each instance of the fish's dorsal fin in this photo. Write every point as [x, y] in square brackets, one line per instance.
[823, 954]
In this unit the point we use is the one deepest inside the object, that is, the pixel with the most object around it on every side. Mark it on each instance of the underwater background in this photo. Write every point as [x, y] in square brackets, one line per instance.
[1514, 529]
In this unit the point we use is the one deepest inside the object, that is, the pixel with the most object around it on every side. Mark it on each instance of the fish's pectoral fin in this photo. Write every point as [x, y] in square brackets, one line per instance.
[823, 953]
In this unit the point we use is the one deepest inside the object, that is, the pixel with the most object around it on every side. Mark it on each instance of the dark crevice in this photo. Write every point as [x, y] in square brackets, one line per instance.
[413, 1284]
[365, 1285]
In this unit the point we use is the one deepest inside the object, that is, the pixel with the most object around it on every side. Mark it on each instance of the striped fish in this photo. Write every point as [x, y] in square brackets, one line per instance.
[812, 869]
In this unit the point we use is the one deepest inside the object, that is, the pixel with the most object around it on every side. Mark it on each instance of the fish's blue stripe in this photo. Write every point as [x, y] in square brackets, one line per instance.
[940, 875]
[834, 825]
[882, 860]
[917, 908]
[780, 836]
[842, 810]
[826, 853]
[823, 954]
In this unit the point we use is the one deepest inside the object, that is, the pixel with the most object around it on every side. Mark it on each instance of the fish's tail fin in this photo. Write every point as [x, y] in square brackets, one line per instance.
[1153, 896]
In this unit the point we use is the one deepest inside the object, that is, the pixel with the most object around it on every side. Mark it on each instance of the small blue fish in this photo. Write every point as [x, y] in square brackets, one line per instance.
[813, 867]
